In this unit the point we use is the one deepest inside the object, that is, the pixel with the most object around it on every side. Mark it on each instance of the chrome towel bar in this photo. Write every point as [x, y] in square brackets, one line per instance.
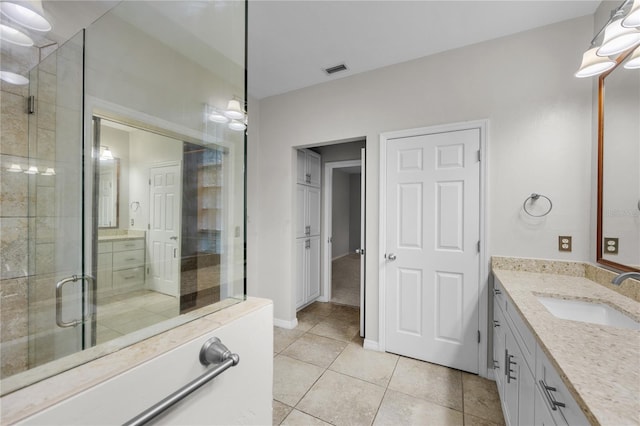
[212, 352]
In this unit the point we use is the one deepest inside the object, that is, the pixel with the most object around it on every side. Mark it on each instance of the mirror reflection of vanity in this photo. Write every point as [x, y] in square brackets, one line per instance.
[618, 236]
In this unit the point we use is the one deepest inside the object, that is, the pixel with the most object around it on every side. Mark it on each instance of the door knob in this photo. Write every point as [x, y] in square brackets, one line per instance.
[391, 257]
[174, 238]
[360, 252]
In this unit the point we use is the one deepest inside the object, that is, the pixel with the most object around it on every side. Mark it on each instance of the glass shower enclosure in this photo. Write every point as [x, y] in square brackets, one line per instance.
[122, 180]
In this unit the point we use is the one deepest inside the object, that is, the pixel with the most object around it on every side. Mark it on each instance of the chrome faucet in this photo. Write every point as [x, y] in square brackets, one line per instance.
[618, 280]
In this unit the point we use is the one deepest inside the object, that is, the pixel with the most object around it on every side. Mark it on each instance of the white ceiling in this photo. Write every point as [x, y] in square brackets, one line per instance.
[291, 42]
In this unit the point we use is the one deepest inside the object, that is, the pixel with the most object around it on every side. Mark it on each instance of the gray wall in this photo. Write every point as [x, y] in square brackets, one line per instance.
[354, 212]
[340, 214]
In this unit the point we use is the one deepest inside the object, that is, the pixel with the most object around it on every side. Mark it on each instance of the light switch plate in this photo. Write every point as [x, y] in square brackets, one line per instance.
[564, 243]
[610, 246]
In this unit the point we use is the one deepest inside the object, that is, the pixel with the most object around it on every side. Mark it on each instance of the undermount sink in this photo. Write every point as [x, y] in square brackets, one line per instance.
[592, 312]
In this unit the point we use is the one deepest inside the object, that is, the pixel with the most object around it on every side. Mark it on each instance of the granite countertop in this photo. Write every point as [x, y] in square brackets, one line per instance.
[600, 365]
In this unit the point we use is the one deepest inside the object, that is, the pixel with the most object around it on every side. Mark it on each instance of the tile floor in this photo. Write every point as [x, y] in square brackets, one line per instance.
[127, 312]
[345, 280]
[322, 375]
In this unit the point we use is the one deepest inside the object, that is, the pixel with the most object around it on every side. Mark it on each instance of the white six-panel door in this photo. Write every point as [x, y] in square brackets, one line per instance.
[432, 260]
[164, 229]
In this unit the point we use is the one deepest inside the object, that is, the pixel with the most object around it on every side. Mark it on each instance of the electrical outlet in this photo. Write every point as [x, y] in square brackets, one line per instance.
[610, 246]
[564, 243]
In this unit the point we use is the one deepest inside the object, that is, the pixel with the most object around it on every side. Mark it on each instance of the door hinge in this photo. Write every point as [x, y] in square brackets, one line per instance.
[149, 182]
[479, 156]
[478, 247]
[478, 336]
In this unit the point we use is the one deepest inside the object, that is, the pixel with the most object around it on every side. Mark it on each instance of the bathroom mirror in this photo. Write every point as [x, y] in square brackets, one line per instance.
[109, 192]
[618, 232]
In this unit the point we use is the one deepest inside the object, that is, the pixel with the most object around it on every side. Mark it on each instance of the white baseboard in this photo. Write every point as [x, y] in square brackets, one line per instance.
[371, 345]
[285, 324]
[322, 299]
[490, 374]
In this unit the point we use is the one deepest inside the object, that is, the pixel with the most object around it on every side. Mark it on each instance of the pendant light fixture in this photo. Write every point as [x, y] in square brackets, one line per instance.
[14, 36]
[632, 20]
[28, 18]
[634, 60]
[617, 38]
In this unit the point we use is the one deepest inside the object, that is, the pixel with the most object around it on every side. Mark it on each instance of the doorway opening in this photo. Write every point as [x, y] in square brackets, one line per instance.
[341, 271]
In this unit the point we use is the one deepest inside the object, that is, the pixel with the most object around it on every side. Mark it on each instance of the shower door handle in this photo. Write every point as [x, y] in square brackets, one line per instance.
[59, 321]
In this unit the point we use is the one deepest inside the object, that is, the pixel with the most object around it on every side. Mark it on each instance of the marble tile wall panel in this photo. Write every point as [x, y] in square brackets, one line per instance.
[14, 125]
[14, 330]
[13, 247]
[14, 189]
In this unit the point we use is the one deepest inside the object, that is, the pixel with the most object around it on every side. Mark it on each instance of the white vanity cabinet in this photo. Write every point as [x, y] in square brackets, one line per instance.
[121, 264]
[307, 228]
[308, 170]
[531, 391]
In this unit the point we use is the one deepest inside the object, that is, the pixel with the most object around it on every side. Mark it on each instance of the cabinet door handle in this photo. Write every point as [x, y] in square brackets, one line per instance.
[547, 392]
[496, 323]
[307, 244]
[496, 364]
[307, 230]
[507, 366]
[497, 291]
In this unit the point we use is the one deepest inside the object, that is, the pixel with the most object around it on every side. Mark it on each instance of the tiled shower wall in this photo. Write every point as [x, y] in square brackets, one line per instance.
[26, 201]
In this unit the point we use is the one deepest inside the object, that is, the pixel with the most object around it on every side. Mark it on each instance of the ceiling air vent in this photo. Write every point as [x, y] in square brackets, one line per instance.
[335, 69]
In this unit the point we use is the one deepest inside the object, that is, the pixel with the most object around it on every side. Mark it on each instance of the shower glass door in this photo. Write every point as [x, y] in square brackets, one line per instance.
[58, 294]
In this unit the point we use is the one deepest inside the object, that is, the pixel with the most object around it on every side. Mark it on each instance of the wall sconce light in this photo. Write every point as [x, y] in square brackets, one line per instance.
[592, 64]
[633, 18]
[15, 168]
[234, 115]
[33, 170]
[634, 60]
[26, 17]
[106, 154]
[618, 37]
[14, 36]
[49, 172]
[13, 78]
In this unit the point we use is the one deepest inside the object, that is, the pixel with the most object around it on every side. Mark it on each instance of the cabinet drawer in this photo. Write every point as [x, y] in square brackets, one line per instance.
[105, 247]
[128, 277]
[499, 297]
[523, 335]
[128, 259]
[546, 375]
[128, 245]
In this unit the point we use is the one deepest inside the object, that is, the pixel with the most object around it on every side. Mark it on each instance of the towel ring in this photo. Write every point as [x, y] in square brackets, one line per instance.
[534, 197]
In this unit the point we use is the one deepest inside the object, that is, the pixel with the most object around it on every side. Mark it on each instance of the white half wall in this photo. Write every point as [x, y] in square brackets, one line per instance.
[539, 140]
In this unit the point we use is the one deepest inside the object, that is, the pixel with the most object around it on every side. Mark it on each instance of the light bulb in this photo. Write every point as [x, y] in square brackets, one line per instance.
[218, 117]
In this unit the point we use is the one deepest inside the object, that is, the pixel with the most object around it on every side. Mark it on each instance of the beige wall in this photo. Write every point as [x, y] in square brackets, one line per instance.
[539, 140]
